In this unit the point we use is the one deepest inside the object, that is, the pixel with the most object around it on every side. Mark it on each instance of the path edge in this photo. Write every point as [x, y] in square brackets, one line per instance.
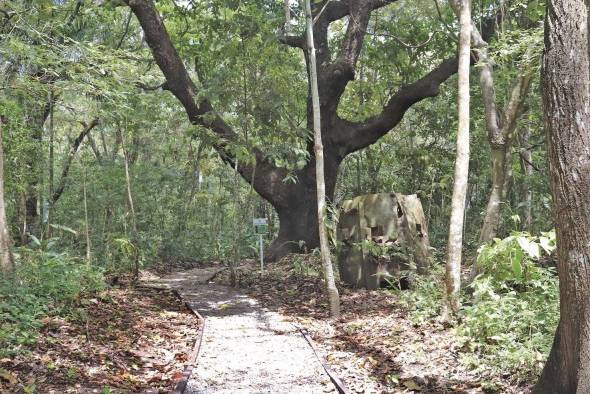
[188, 369]
[336, 381]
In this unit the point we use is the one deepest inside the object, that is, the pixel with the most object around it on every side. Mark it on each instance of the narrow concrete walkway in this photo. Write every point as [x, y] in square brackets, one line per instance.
[246, 349]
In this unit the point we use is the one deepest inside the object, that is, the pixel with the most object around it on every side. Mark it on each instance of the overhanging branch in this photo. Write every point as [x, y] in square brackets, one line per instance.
[199, 110]
[358, 135]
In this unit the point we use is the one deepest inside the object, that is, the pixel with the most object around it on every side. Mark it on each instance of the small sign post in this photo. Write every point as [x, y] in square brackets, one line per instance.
[261, 228]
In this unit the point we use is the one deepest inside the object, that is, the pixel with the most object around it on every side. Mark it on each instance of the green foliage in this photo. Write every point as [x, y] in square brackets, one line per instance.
[509, 330]
[515, 258]
[45, 283]
[510, 313]
[425, 298]
[509, 322]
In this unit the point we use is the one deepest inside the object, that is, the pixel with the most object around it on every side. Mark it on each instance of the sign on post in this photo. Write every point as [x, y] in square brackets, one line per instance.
[261, 228]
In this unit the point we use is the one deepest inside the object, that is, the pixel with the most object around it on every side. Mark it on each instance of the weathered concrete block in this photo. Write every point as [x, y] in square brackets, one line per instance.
[391, 220]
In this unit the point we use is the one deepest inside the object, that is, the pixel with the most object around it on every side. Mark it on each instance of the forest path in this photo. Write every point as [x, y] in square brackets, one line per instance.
[245, 347]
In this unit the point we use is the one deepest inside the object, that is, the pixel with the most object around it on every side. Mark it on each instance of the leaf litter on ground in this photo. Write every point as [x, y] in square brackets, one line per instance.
[124, 340]
[374, 347]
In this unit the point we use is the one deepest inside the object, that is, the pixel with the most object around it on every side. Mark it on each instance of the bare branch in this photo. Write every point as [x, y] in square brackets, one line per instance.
[70, 157]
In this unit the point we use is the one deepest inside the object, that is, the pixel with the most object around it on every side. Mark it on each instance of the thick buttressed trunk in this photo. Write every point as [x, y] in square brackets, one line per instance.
[566, 99]
[297, 211]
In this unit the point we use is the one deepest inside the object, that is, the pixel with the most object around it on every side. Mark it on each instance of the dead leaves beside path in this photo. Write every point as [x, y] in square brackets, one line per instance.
[374, 347]
[123, 341]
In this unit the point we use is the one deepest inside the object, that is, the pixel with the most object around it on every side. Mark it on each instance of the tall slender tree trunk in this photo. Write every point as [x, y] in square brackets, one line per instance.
[130, 202]
[332, 291]
[455, 244]
[526, 164]
[287, 11]
[5, 253]
[566, 99]
[33, 220]
[51, 164]
[128, 184]
[492, 216]
[235, 260]
[501, 141]
[86, 224]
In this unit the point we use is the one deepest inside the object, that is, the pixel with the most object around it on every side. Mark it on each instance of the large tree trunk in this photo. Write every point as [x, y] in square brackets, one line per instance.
[455, 244]
[5, 253]
[566, 98]
[297, 210]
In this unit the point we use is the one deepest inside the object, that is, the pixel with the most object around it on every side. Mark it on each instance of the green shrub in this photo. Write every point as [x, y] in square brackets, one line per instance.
[509, 316]
[515, 258]
[44, 284]
[509, 321]
[425, 299]
[505, 330]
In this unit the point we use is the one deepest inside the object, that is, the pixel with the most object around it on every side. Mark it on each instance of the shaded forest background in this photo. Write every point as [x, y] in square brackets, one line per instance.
[105, 175]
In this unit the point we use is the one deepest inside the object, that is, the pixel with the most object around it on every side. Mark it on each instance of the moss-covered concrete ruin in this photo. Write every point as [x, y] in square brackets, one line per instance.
[379, 236]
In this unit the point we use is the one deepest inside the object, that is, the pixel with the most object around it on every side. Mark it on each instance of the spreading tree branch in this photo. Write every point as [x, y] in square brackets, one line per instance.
[358, 135]
[198, 109]
[70, 157]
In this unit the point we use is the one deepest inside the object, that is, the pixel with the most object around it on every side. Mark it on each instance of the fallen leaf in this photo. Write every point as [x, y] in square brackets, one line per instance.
[8, 376]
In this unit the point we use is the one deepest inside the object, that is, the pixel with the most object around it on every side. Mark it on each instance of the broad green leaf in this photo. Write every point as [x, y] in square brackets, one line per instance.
[530, 247]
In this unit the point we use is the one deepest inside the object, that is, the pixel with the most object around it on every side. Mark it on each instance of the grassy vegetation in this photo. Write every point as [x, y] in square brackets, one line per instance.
[509, 312]
[45, 283]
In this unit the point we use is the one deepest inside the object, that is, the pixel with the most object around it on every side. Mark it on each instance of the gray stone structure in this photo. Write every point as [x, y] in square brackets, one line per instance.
[387, 219]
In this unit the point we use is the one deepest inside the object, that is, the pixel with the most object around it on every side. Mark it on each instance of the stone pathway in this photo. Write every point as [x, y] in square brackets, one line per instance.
[246, 349]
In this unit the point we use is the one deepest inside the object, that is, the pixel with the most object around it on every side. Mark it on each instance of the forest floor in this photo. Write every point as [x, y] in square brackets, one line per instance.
[140, 339]
[374, 347]
[124, 340]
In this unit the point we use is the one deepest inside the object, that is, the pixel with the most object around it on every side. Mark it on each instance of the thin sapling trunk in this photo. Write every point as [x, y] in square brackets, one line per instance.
[455, 244]
[332, 291]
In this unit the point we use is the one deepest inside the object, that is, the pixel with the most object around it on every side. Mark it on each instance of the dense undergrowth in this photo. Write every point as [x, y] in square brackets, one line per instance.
[509, 312]
[508, 316]
[44, 283]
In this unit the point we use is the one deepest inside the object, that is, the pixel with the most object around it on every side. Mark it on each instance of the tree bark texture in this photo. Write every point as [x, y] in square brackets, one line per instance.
[566, 99]
[526, 163]
[340, 137]
[455, 243]
[5, 244]
[331, 290]
[501, 141]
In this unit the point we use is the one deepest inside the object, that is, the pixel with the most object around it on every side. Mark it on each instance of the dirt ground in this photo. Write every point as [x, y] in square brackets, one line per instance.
[124, 340]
